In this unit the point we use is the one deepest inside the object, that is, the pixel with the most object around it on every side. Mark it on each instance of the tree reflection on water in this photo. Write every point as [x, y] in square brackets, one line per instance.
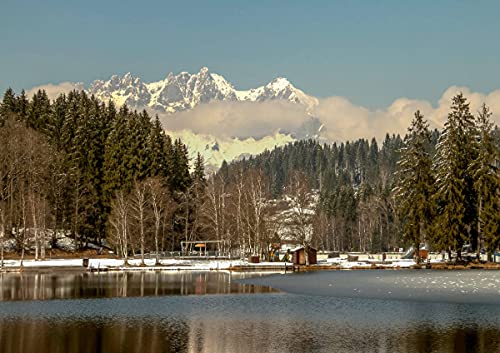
[43, 286]
[163, 312]
[191, 335]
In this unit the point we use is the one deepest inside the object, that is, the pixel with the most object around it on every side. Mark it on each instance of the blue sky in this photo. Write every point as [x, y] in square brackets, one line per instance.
[370, 52]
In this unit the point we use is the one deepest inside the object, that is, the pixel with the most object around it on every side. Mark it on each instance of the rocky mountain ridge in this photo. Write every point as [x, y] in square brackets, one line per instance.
[185, 91]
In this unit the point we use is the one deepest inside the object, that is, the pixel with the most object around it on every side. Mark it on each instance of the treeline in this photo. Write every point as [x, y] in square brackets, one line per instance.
[435, 187]
[64, 163]
[78, 167]
[354, 180]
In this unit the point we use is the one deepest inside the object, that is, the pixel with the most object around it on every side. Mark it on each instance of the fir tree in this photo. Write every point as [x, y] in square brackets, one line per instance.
[415, 184]
[487, 184]
[180, 180]
[38, 112]
[56, 121]
[455, 195]
[8, 106]
[118, 156]
[22, 105]
[199, 170]
[159, 152]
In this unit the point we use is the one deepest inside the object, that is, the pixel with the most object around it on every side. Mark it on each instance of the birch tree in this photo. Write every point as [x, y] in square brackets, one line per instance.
[139, 198]
[119, 221]
[162, 206]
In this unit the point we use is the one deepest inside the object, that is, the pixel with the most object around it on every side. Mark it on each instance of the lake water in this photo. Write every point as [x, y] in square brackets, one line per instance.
[219, 312]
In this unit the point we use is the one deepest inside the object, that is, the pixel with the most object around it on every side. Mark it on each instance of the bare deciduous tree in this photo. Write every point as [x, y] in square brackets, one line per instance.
[139, 199]
[119, 220]
[301, 217]
[162, 205]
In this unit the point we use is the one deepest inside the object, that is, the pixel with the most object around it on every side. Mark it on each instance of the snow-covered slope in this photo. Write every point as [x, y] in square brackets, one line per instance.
[215, 151]
[184, 91]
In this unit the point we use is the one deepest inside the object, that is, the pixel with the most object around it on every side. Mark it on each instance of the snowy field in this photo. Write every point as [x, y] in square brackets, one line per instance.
[134, 264]
[198, 264]
[364, 261]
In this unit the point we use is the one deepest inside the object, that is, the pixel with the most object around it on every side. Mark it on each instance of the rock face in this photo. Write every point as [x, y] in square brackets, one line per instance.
[184, 91]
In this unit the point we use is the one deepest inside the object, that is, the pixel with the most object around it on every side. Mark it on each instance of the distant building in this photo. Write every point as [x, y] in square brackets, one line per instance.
[299, 256]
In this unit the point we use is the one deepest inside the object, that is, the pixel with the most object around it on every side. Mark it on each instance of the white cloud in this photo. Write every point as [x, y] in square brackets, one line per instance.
[54, 90]
[342, 119]
[239, 119]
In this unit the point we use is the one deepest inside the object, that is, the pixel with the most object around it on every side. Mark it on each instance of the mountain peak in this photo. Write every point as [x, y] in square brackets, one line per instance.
[280, 82]
[184, 91]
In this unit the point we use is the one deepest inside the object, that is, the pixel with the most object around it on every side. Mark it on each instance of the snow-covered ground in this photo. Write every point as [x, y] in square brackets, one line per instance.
[364, 261]
[198, 264]
[135, 264]
[344, 263]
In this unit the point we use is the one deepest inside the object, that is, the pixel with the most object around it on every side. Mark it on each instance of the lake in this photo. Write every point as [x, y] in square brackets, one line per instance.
[222, 312]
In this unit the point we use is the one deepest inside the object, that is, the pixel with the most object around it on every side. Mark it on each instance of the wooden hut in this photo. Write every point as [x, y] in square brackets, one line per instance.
[299, 256]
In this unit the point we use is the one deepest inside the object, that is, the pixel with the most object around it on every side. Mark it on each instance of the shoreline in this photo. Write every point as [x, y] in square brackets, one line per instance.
[116, 265]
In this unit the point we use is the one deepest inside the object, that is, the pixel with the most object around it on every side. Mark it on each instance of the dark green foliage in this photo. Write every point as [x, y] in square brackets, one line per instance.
[180, 178]
[9, 102]
[415, 183]
[38, 112]
[198, 175]
[160, 147]
[485, 172]
[98, 151]
[456, 200]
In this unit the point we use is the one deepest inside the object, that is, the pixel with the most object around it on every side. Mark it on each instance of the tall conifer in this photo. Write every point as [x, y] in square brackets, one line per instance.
[455, 196]
[415, 183]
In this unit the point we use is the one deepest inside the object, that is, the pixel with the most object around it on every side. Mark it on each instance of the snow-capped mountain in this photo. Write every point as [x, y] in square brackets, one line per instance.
[184, 91]
[214, 151]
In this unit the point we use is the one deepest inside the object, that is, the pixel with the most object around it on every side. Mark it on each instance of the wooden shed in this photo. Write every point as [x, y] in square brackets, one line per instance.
[299, 256]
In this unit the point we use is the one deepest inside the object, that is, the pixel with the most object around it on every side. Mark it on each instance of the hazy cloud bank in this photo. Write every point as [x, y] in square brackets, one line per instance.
[342, 119]
[239, 119]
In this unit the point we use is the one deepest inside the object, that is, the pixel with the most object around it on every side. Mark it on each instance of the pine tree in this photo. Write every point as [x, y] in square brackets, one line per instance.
[199, 170]
[38, 112]
[139, 145]
[180, 180]
[160, 154]
[414, 185]
[455, 196]
[56, 121]
[22, 105]
[487, 184]
[89, 153]
[8, 106]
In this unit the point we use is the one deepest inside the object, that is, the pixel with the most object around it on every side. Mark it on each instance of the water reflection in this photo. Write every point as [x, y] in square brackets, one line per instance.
[43, 286]
[133, 315]
[231, 335]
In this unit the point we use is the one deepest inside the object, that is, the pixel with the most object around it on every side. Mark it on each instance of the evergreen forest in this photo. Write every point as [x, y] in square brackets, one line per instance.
[112, 177]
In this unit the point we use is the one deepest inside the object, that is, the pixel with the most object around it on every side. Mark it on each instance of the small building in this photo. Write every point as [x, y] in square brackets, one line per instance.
[299, 256]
